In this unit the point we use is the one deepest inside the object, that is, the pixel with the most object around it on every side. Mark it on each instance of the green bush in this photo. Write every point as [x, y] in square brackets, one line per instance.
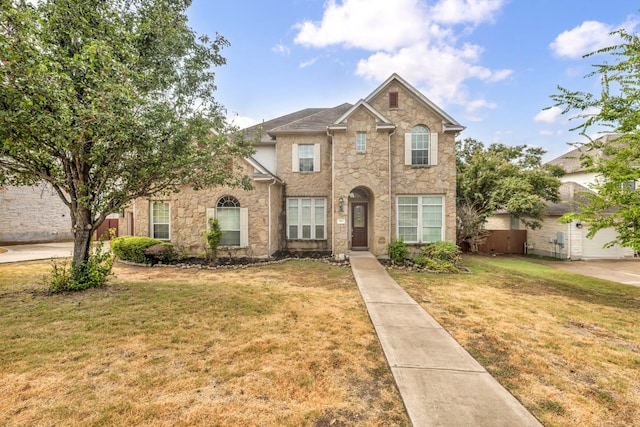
[132, 248]
[213, 236]
[91, 274]
[398, 252]
[162, 252]
[439, 256]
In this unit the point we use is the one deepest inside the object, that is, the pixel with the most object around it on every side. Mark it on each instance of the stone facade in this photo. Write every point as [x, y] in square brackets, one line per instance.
[33, 214]
[342, 177]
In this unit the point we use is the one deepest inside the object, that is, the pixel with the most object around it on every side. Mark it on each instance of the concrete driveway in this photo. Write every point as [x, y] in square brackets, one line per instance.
[16, 253]
[625, 271]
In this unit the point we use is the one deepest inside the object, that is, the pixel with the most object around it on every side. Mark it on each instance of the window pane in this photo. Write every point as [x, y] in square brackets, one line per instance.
[431, 216]
[229, 218]
[306, 211]
[408, 234]
[420, 145]
[161, 231]
[419, 157]
[293, 231]
[319, 231]
[306, 231]
[361, 142]
[305, 157]
[230, 238]
[431, 234]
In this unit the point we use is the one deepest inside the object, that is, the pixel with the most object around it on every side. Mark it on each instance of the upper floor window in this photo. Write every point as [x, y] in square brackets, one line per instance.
[361, 142]
[160, 220]
[393, 99]
[305, 157]
[421, 147]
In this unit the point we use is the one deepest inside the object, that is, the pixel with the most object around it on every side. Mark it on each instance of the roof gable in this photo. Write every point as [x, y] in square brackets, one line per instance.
[449, 123]
[381, 121]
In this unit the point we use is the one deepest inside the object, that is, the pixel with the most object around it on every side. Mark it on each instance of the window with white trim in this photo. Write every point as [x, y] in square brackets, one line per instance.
[228, 214]
[420, 218]
[306, 218]
[361, 142]
[420, 147]
[305, 157]
[160, 220]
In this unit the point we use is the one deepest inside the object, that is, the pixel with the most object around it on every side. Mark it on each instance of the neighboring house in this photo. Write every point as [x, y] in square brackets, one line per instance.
[33, 214]
[569, 240]
[352, 177]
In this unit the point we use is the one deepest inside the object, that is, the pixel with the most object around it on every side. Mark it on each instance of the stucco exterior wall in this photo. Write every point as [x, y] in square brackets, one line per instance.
[33, 214]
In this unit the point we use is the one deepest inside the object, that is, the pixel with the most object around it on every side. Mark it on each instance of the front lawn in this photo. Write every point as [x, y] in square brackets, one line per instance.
[567, 346]
[286, 344]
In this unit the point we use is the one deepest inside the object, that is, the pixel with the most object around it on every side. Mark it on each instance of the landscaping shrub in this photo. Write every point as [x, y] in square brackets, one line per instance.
[439, 256]
[132, 248]
[162, 252]
[398, 252]
[91, 274]
[213, 236]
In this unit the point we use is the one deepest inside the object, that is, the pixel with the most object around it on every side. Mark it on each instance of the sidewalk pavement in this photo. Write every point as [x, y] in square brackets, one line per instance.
[440, 383]
[36, 251]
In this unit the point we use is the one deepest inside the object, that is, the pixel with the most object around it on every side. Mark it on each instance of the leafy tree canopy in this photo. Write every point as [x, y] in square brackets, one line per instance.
[108, 101]
[501, 177]
[616, 109]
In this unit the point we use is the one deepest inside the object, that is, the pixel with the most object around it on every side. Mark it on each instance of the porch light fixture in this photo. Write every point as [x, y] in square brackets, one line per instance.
[341, 204]
[578, 225]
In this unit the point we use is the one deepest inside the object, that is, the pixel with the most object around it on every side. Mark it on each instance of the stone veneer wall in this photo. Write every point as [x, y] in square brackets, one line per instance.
[409, 180]
[33, 214]
[305, 184]
[188, 218]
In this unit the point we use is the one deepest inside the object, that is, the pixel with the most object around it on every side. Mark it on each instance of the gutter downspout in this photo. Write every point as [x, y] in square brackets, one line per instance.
[269, 219]
[333, 196]
[390, 192]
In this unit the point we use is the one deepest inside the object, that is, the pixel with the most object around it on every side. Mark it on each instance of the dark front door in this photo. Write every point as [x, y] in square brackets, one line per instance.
[359, 238]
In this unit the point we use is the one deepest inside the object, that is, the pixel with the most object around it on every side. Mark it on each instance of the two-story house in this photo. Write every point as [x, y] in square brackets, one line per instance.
[351, 177]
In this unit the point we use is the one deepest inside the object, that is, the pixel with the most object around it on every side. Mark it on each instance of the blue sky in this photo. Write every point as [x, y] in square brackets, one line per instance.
[491, 64]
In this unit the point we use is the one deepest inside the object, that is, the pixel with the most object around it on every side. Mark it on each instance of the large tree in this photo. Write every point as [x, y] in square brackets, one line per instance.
[108, 101]
[501, 177]
[615, 201]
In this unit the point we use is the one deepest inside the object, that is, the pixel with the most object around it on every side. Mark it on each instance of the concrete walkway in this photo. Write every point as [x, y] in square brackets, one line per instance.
[36, 251]
[440, 383]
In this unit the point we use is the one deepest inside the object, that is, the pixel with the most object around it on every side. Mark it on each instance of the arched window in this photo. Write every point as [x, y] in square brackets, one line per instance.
[228, 214]
[420, 145]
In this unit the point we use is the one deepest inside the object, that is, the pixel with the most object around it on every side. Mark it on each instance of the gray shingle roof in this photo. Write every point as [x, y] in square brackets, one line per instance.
[571, 195]
[317, 121]
[571, 162]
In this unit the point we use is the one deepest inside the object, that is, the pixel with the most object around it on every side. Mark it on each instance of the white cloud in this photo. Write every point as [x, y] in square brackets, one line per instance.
[281, 49]
[462, 11]
[309, 62]
[243, 121]
[588, 37]
[427, 36]
[550, 115]
[550, 132]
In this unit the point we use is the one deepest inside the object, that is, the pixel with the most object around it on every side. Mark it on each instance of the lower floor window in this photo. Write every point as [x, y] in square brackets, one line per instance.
[160, 220]
[306, 218]
[228, 214]
[420, 218]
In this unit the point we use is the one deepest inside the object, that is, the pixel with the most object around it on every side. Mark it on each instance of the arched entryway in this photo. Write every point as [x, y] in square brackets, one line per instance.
[359, 217]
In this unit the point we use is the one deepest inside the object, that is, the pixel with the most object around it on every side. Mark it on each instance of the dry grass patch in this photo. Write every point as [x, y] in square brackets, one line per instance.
[287, 344]
[567, 346]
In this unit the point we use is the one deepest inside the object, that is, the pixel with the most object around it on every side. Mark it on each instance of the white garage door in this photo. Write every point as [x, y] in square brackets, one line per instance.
[593, 248]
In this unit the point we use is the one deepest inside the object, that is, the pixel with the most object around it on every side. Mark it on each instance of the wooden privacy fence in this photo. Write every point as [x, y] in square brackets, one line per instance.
[504, 242]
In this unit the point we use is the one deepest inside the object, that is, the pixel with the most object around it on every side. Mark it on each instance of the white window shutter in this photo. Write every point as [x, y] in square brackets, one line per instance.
[295, 162]
[316, 158]
[211, 213]
[433, 149]
[407, 149]
[244, 227]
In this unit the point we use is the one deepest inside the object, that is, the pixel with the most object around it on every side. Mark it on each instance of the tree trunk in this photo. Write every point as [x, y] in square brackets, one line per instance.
[82, 230]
